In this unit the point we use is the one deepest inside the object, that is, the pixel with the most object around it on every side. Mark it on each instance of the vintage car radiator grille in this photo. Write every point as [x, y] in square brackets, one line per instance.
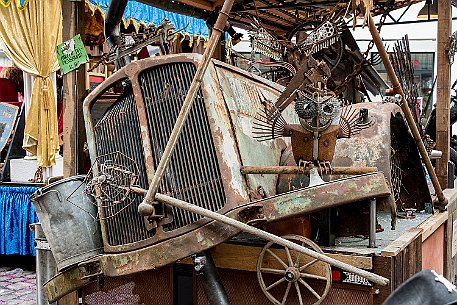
[193, 174]
[119, 131]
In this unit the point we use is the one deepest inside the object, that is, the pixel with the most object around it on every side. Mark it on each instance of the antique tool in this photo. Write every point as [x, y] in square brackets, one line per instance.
[146, 207]
[409, 118]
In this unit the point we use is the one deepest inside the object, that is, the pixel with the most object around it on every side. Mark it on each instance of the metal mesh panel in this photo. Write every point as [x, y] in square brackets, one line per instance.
[193, 173]
[119, 130]
[152, 288]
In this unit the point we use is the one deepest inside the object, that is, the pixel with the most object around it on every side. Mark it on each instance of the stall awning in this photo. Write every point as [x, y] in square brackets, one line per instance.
[139, 14]
[20, 3]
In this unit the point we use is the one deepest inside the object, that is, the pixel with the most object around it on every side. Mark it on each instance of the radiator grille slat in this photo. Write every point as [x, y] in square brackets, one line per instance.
[193, 174]
[119, 131]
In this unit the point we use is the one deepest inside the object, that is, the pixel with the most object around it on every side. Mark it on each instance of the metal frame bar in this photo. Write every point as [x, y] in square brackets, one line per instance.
[397, 89]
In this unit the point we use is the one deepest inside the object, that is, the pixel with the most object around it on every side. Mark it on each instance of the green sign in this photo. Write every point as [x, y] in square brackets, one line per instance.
[71, 54]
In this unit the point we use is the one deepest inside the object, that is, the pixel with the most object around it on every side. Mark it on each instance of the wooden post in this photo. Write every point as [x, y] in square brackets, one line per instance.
[73, 95]
[73, 92]
[443, 86]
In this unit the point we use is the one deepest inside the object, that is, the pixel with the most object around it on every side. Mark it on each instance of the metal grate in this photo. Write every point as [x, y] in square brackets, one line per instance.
[193, 173]
[242, 287]
[119, 131]
[131, 290]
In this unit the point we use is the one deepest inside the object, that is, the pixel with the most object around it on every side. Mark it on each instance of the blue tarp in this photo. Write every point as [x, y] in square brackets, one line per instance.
[16, 214]
[144, 13]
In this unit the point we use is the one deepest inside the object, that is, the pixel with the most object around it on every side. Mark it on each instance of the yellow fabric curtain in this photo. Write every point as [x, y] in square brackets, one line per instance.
[29, 38]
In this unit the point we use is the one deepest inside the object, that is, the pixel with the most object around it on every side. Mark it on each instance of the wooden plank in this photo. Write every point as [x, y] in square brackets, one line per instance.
[411, 260]
[418, 255]
[406, 261]
[434, 222]
[241, 257]
[383, 266]
[450, 241]
[72, 24]
[401, 242]
[433, 251]
[398, 270]
[443, 87]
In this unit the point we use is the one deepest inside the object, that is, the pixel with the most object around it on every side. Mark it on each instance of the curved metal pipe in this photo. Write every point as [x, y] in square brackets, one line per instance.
[113, 20]
[206, 271]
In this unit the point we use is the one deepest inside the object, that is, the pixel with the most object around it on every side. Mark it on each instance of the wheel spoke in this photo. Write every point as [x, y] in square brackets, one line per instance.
[278, 258]
[298, 293]
[307, 265]
[276, 283]
[313, 276]
[273, 271]
[289, 257]
[284, 299]
[310, 289]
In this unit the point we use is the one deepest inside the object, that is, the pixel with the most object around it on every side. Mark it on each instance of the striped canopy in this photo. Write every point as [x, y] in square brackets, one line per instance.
[141, 14]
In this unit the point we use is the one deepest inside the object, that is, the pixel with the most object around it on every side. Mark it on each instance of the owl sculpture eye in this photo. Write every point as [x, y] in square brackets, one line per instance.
[306, 107]
[329, 108]
[317, 113]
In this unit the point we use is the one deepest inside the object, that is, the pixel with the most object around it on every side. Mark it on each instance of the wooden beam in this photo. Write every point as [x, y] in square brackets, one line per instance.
[401, 242]
[443, 88]
[200, 4]
[73, 92]
[433, 223]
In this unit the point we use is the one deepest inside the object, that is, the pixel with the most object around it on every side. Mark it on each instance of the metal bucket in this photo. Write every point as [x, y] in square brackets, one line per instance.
[68, 219]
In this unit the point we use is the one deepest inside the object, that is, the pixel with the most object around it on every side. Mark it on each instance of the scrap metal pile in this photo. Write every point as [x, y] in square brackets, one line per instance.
[193, 151]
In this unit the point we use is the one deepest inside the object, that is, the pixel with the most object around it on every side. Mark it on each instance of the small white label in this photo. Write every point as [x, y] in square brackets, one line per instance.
[42, 245]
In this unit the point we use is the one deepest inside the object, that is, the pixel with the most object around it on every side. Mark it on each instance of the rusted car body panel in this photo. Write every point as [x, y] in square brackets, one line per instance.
[387, 145]
[231, 102]
[292, 204]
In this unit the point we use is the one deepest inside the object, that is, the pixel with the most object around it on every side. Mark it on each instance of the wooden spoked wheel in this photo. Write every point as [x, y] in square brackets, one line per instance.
[290, 277]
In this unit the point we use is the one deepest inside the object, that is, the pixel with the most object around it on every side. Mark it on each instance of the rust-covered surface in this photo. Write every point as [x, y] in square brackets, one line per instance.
[228, 102]
[279, 207]
[382, 145]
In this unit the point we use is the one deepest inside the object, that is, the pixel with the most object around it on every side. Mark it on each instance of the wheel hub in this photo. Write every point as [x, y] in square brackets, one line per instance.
[292, 274]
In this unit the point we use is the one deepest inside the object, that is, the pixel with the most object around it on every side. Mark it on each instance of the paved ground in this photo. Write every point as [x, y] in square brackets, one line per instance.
[17, 286]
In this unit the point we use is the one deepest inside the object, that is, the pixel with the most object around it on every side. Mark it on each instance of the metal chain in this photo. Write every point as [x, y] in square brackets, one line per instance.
[371, 44]
[356, 71]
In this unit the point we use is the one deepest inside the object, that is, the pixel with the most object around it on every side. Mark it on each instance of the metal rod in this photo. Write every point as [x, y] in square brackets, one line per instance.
[145, 208]
[372, 237]
[300, 170]
[271, 237]
[265, 235]
[404, 106]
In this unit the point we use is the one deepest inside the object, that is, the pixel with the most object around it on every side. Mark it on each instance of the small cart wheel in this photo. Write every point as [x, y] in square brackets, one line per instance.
[286, 274]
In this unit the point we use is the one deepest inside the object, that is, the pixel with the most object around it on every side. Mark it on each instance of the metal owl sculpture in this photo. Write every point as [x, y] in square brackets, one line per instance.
[322, 117]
